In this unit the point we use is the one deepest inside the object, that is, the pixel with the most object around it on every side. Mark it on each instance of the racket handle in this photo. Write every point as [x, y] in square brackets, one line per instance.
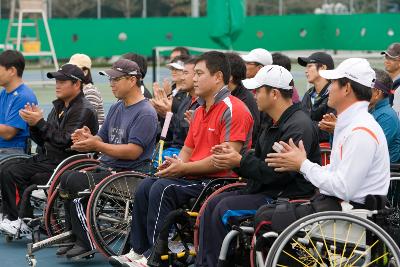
[167, 121]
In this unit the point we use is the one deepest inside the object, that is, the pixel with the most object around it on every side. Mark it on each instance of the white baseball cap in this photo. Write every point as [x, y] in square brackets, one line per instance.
[271, 75]
[179, 65]
[80, 60]
[355, 69]
[259, 55]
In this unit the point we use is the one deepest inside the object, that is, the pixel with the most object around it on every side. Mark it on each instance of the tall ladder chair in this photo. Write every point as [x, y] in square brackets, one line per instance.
[29, 7]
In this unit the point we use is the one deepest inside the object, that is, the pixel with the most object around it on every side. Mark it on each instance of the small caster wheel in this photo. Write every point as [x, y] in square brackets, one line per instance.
[31, 260]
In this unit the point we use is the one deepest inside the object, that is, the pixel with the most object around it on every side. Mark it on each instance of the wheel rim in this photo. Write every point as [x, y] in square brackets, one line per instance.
[110, 212]
[337, 240]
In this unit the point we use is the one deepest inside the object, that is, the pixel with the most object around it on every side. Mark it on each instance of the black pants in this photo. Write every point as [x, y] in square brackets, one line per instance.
[213, 227]
[71, 183]
[17, 177]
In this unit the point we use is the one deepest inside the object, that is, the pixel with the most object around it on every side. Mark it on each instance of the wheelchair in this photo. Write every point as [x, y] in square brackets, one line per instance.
[355, 237]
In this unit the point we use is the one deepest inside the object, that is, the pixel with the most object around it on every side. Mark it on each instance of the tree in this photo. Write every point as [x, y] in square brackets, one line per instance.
[71, 8]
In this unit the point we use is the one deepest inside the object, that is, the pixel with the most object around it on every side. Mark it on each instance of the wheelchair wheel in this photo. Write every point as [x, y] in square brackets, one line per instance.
[333, 239]
[54, 217]
[70, 165]
[109, 212]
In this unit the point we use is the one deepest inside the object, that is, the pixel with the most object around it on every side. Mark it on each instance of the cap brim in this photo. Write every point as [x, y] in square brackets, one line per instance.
[389, 55]
[331, 74]
[303, 61]
[251, 84]
[248, 58]
[58, 76]
[112, 73]
[175, 66]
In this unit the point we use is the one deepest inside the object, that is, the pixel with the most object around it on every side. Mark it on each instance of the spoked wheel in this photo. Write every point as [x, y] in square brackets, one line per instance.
[333, 239]
[54, 218]
[109, 212]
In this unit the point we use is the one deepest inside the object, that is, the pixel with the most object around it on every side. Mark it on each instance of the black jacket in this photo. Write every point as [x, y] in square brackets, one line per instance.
[318, 109]
[248, 98]
[294, 123]
[179, 126]
[54, 135]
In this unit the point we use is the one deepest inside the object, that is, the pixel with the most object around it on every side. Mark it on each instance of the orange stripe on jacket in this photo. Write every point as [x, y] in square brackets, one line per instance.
[364, 129]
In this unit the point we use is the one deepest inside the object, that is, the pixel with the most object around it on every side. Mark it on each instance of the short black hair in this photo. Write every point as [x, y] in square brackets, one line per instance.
[182, 58]
[13, 58]
[216, 61]
[281, 60]
[384, 78]
[238, 67]
[182, 50]
[362, 92]
[80, 83]
[286, 94]
[191, 61]
[139, 59]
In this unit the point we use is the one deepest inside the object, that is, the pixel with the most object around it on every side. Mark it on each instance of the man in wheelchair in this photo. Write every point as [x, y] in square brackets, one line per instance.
[14, 130]
[71, 111]
[273, 86]
[126, 142]
[221, 119]
[360, 164]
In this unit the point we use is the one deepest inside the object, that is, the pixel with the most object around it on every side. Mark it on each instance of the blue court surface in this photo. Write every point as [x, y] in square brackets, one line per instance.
[13, 255]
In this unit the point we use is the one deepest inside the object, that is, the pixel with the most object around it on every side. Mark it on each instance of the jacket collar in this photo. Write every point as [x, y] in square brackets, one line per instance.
[347, 116]
[221, 95]
[324, 91]
[58, 103]
[381, 103]
[287, 114]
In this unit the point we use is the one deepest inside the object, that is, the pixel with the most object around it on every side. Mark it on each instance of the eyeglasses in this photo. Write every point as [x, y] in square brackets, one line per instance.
[114, 80]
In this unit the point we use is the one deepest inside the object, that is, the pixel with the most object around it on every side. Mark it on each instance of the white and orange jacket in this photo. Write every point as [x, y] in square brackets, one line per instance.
[359, 164]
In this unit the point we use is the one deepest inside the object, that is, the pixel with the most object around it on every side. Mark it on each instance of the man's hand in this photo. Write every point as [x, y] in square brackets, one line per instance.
[174, 167]
[31, 114]
[289, 160]
[161, 103]
[189, 116]
[225, 157]
[328, 123]
[80, 134]
[90, 144]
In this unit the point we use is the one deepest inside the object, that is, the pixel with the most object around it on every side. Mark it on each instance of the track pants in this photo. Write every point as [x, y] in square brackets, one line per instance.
[213, 222]
[154, 199]
[15, 178]
[73, 182]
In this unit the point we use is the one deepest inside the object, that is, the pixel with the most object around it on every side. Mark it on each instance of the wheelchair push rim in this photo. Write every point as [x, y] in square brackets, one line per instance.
[333, 239]
[109, 212]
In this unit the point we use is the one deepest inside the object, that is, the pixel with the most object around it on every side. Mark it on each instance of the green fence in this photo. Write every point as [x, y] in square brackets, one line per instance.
[293, 32]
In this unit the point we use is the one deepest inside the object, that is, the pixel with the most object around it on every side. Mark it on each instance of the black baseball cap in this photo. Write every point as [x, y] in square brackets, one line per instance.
[317, 57]
[67, 72]
[393, 51]
[122, 67]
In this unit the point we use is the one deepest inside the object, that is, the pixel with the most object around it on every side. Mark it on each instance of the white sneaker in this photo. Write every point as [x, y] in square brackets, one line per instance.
[119, 260]
[12, 227]
[141, 262]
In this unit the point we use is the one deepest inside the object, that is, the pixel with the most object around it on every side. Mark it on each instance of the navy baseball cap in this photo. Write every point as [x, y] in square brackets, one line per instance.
[317, 57]
[67, 72]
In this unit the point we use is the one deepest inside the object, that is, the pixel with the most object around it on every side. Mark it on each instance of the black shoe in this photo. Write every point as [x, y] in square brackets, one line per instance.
[76, 251]
[62, 250]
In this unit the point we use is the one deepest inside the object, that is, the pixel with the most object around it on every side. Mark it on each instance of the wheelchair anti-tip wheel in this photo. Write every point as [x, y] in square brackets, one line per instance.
[109, 212]
[333, 239]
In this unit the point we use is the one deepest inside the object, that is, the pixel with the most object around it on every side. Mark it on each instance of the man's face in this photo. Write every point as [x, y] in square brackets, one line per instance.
[5, 75]
[337, 94]
[176, 75]
[392, 65]
[204, 82]
[121, 86]
[311, 72]
[187, 77]
[264, 99]
[252, 68]
[66, 89]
